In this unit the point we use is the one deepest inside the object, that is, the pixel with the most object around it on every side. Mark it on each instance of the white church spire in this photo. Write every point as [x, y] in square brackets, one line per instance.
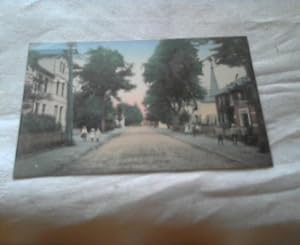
[214, 87]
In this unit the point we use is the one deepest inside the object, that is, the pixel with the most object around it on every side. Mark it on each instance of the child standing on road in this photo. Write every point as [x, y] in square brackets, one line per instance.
[83, 133]
[98, 134]
[92, 134]
[234, 133]
[220, 135]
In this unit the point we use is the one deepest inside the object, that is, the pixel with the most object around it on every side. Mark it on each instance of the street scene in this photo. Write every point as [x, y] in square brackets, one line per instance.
[139, 107]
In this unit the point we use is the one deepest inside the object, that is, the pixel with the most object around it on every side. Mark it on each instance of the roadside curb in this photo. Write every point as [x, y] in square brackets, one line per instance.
[207, 149]
[76, 153]
[94, 147]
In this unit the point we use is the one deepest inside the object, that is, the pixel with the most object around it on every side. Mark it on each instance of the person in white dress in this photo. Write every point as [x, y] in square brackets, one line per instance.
[92, 134]
[84, 133]
[98, 134]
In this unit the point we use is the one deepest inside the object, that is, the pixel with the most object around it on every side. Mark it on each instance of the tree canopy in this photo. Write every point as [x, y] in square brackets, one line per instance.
[233, 52]
[132, 114]
[172, 74]
[87, 113]
[157, 107]
[105, 73]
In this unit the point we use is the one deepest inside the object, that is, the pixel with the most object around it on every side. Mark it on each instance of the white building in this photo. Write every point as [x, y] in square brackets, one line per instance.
[51, 89]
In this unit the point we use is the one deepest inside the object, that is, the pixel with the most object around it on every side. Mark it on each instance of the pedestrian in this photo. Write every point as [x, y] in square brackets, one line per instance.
[98, 134]
[187, 128]
[220, 135]
[244, 134]
[198, 129]
[92, 134]
[83, 133]
[194, 130]
[234, 133]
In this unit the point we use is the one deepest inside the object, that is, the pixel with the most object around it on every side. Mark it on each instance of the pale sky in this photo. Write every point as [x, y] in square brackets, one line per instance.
[138, 52]
[224, 74]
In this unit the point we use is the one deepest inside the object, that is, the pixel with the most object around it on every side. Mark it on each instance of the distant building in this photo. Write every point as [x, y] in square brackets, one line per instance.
[236, 104]
[49, 85]
[206, 110]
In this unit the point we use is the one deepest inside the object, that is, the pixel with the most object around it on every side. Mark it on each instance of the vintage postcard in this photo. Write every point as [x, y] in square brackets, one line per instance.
[139, 107]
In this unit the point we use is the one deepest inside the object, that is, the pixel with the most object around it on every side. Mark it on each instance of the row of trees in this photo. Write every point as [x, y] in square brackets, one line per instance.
[102, 77]
[172, 73]
[87, 112]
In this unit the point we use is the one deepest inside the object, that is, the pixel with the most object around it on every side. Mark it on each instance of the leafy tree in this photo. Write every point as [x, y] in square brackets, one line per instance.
[184, 117]
[172, 73]
[87, 113]
[157, 107]
[132, 114]
[105, 73]
[233, 52]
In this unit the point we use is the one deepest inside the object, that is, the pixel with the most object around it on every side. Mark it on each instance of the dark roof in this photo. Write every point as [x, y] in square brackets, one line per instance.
[45, 71]
[51, 52]
[46, 53]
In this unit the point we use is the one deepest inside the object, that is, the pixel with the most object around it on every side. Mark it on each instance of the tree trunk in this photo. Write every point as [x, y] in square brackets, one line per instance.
[102, 106]
[175, 121]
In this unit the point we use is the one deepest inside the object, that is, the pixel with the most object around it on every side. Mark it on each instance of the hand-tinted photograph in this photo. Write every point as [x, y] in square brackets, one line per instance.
[139, 107]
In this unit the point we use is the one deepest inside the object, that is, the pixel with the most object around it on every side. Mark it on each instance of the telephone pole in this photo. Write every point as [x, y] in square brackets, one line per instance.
[69, 125]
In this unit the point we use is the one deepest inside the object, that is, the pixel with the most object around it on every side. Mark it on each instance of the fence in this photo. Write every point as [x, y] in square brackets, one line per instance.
[34, 142]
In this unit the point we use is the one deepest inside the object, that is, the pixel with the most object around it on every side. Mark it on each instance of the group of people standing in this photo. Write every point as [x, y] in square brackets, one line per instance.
[234, 132]
[193, 129]
[92, 135]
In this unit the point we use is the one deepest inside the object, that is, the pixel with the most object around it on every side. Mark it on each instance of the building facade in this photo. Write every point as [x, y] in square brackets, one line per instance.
[236, 104]
[49, 86]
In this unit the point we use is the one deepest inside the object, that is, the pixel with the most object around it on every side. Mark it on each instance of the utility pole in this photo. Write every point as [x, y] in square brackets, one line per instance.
[69, 113]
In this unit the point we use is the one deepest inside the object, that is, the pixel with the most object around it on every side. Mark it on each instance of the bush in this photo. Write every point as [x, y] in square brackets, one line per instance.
[184, 117]
[33, 123]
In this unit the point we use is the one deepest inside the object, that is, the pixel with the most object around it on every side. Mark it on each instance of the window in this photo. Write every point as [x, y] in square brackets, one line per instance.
[35, 87]
[39, 83]
[62, 89]
[231, 100]
[62, 67]
[44, 108]
[37, 105]
[55, 111]
[39, 86]
[245, 120]
[46, 85]
[57, 87]
[60, 114]
[220, 101]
